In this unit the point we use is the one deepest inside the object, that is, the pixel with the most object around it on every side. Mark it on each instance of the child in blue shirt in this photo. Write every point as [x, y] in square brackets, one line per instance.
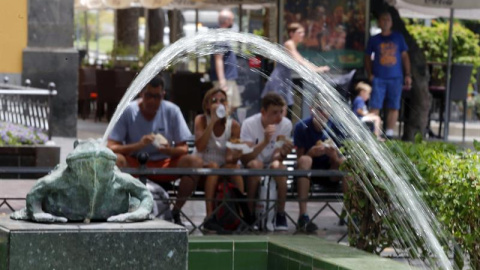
[360, 107]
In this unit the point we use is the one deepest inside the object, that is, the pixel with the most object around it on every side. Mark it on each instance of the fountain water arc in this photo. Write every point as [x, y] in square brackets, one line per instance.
[413, 211]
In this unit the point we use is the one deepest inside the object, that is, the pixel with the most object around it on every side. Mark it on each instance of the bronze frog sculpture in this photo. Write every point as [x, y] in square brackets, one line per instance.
[87, 187]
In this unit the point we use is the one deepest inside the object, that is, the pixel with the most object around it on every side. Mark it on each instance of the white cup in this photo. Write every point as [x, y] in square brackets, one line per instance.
[221, 111]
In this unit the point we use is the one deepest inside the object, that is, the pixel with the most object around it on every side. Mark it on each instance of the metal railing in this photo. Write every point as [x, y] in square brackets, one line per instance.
[325, 197]
[26, 105]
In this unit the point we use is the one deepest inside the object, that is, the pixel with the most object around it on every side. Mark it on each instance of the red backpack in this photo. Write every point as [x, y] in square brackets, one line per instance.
[230, 213]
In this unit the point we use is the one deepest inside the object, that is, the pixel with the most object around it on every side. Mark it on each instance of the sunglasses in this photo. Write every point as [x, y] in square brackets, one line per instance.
[221, 100]
[152, 96]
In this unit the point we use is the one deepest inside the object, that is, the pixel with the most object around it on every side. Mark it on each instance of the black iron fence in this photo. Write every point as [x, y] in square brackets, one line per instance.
[325, 196]
[27, 106]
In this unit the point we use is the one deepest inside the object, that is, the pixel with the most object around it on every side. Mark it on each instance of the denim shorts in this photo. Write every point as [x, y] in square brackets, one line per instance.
[389, 90]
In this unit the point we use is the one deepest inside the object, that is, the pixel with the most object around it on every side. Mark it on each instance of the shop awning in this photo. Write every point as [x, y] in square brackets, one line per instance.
[464, 9]
[171, 4]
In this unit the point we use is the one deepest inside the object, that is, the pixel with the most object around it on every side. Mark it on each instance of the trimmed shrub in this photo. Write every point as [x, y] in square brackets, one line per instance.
[450, 187]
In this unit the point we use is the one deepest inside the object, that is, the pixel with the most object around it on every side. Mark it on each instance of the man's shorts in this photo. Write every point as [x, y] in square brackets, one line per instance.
[233, 96]
[325, 182]
[164, 163]
[389, 90]
[323, 164]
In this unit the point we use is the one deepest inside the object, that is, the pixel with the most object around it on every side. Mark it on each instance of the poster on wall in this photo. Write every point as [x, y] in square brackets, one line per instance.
[334, 30]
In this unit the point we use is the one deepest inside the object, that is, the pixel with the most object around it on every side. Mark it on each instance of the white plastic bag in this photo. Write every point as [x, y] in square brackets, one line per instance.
[161, 207]
[267, 195]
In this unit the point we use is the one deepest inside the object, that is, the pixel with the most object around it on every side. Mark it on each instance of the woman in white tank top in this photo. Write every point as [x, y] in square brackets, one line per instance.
[211, 136]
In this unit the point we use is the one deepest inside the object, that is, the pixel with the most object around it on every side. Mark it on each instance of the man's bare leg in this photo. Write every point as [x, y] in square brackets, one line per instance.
[252, 184]
[188, 183]
[281, 186]
[392, 118]
[303, 183]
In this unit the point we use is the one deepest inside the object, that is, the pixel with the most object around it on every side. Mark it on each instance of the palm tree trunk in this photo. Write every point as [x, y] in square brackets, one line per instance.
[176, 22]
[155, 27]
[126, 29]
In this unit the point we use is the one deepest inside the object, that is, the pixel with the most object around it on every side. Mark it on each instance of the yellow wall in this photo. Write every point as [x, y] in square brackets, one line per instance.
[13, 34]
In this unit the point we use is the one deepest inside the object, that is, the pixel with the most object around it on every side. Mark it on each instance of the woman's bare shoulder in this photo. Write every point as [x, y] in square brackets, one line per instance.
[289, 43]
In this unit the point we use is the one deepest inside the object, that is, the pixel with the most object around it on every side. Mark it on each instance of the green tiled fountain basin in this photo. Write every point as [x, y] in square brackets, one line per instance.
[279, 253]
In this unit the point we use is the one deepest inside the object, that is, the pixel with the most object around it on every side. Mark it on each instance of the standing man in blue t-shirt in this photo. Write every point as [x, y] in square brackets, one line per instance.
[389, 53]
[223, 67]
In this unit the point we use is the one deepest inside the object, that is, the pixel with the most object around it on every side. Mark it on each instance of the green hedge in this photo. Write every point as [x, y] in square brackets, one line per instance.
[450, 186]
[433, 40]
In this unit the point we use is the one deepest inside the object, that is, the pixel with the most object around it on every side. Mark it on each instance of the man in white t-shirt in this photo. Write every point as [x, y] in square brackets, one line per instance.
[135, 132]
[261, 131]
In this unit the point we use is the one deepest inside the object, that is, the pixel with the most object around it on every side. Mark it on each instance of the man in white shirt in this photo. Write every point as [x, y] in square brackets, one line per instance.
[261, 131]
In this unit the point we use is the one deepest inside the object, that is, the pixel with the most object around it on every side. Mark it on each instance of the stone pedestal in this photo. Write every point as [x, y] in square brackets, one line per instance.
[58, 65]
[153, 244]
[51, 57]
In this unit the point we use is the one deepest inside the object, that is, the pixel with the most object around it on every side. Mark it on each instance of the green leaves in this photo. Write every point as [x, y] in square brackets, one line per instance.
[418, 138]
[476, 145]
[450, 185]
[433, 41]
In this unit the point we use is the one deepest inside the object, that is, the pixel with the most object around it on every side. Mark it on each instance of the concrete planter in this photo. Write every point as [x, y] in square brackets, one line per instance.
[28, 156]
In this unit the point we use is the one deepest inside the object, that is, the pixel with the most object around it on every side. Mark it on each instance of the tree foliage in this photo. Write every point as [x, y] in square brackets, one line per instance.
[433, 40]
[450, 186]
